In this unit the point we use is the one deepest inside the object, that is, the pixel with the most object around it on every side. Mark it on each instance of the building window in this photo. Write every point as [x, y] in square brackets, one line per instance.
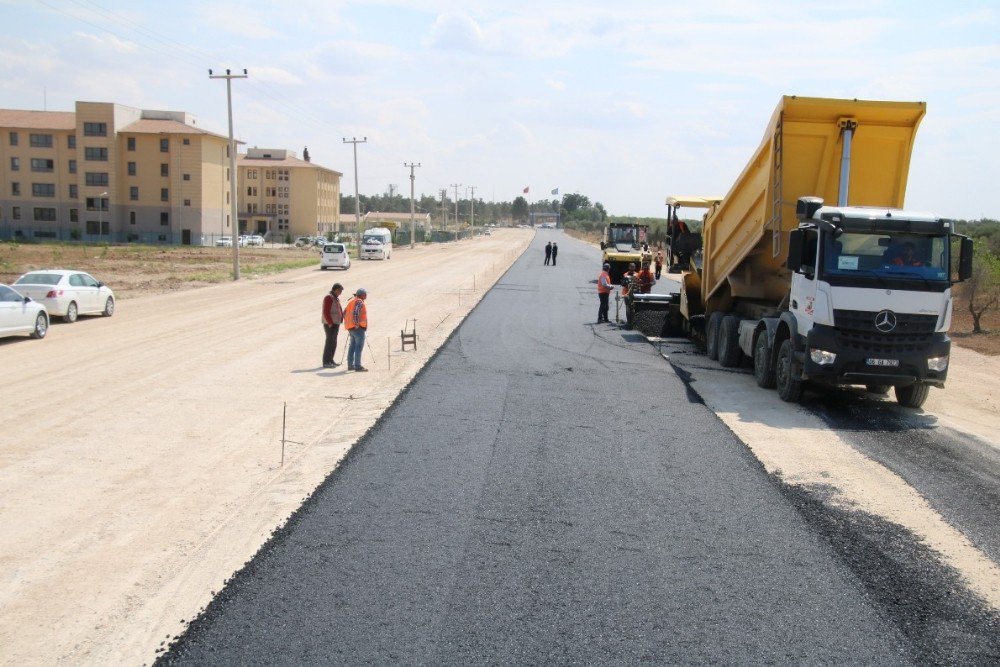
[133, 193]
[95, 129]
[164, 218]
[71, 141]
[187, 142]
[249, 191]
[164, 169]
[41, 164]
[187, 177]
[72, 166]
[164, 145]
[227, 197]
[131, 168]
[94, 202]
[74, 215]
[13, 138]
[40, 141]
[15, 164]
[15, 189]
[164, 194]
[97, 178]
[94, 154]
[187, 202]
[43, 189]
[45, 214]
[15, 213]
[130, 143]
[131, 217]
[227, 174]
[73, 194]
[93, 227]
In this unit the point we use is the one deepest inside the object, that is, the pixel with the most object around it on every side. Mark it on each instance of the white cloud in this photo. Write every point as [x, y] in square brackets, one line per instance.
[455, 31]
[273, 75]
[109, 41]
[555, 85]
[241, 19]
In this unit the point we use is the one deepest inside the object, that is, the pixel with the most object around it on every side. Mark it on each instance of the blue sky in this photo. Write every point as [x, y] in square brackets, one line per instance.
[625, 101]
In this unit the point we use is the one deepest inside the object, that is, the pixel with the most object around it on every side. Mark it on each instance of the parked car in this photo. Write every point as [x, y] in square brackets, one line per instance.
[303, 241]
[224, 242]
[67, 294]
[20, 315]
[334, 256]
[252, 239]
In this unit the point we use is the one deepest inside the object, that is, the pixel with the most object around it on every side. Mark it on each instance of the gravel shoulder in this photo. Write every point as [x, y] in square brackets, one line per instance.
[140, 453]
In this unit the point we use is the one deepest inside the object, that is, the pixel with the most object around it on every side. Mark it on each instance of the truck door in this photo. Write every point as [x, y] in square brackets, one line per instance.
[803, 296]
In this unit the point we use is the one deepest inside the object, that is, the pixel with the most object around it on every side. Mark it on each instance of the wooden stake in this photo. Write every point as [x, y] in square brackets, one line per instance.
[284, 410]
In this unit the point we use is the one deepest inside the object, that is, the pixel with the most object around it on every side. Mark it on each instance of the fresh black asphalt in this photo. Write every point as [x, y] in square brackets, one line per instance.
[548, 490]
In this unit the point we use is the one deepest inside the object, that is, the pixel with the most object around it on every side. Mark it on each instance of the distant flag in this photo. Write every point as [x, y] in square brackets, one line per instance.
[526, 190]
[556, 191]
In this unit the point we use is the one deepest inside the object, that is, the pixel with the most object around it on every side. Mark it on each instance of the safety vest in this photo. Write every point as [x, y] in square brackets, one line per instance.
[355, 314]
[604, 285]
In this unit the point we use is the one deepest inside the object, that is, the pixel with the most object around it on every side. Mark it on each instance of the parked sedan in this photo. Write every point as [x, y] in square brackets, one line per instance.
[20, 315]
[224, 242]
[67, 294]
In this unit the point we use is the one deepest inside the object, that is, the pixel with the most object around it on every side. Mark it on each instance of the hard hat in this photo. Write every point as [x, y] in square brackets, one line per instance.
[606, 265]
[361, 292]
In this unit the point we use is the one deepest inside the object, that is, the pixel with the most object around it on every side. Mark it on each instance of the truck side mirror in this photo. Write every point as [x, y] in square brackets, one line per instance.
[795, 240]
[965, 259]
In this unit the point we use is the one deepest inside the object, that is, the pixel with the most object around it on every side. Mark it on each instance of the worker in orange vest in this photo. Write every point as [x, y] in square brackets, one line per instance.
[645, 279]
[356, 323]
[604, 288]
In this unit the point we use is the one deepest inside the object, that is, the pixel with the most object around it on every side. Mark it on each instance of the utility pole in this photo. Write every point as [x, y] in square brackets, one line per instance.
[456, 186]
[229, 76]
[444, 209]
[413, 222]
[357, 200]
[472, 210]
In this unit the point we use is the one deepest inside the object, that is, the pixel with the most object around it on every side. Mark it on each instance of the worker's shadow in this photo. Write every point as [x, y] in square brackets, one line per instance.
[330, 371]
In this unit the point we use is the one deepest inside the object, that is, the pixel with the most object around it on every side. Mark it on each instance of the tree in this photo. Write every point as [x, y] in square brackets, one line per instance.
[573, 201]
[519, 209]
[983, 286]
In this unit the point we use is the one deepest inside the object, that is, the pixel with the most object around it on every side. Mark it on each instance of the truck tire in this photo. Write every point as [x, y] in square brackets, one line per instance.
[881, 389]
[763, 369]
[712, 335]
[730, 354]
[912, 396]
[789, 387]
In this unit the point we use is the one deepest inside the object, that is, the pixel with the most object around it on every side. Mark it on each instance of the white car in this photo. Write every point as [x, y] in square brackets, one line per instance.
[67, 294]
[224, 242]
[335, 256]
[20, 315]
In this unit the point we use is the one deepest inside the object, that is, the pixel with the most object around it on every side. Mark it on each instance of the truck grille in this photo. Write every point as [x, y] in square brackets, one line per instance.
[863, 321]
[887, 344]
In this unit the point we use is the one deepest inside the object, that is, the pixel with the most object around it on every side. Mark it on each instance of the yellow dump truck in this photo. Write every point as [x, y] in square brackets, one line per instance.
[811, 267]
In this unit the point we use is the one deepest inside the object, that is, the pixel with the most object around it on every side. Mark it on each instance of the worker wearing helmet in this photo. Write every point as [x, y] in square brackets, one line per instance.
[356, 323]
[604, 288]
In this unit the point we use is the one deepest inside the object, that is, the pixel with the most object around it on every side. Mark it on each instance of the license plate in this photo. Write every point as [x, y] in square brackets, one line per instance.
[882, 362]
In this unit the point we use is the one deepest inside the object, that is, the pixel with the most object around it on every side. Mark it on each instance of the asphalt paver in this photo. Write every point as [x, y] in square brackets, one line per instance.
[548, 490]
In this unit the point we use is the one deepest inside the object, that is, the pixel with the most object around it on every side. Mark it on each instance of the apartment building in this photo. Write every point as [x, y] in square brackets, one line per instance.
[111, 172]
[281, 195]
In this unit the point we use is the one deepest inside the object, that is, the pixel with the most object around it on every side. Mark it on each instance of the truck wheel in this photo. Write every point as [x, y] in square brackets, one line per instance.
[789, 387]
[730, 354]
[912, 396]
[712, 335]
[763, 369]
[882, 389]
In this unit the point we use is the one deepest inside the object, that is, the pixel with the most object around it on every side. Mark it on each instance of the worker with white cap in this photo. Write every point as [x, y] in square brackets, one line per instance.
[356, 323]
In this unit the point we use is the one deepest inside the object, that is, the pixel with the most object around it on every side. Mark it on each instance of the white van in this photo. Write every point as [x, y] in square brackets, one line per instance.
[376, 244]
[334, 256]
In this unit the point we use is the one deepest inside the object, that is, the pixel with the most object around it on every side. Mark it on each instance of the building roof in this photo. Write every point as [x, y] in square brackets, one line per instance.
[38, 120]
[288, 161]
[379, 215]
[156, 126]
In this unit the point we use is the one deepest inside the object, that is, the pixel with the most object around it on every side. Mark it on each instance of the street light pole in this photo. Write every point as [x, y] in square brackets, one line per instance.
[472, 210]
[100, 216]
[357, 200]
[413, 223]
[456, 186]
[228, 76]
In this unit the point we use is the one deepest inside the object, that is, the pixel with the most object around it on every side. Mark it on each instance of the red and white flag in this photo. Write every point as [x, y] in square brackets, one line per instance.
[526, 190]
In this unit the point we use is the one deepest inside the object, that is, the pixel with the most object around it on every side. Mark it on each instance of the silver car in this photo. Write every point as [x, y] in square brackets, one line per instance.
[20, 315]
[67, 294]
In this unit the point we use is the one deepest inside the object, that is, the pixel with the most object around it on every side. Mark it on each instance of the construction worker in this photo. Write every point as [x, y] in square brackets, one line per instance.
[604, 288]
[645, 279]
[659, 262]
[628, 280]
[356, 323]
[333, 316]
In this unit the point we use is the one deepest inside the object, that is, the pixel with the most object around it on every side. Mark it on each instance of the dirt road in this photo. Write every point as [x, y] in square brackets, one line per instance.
[140, 454]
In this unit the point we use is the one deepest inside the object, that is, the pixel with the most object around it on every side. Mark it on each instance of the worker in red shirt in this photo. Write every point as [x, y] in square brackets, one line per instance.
[356, 323]
[604, 289]
[645, 279]
[333, 317]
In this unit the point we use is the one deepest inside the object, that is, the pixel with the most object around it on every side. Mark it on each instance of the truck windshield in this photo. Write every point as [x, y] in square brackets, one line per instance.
[886, 255]
[627, 235]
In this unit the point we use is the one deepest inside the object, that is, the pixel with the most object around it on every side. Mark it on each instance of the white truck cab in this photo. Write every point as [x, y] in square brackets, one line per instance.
[376, 244]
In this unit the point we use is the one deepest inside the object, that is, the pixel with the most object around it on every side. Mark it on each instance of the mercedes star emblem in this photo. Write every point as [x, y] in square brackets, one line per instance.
[885, 321]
